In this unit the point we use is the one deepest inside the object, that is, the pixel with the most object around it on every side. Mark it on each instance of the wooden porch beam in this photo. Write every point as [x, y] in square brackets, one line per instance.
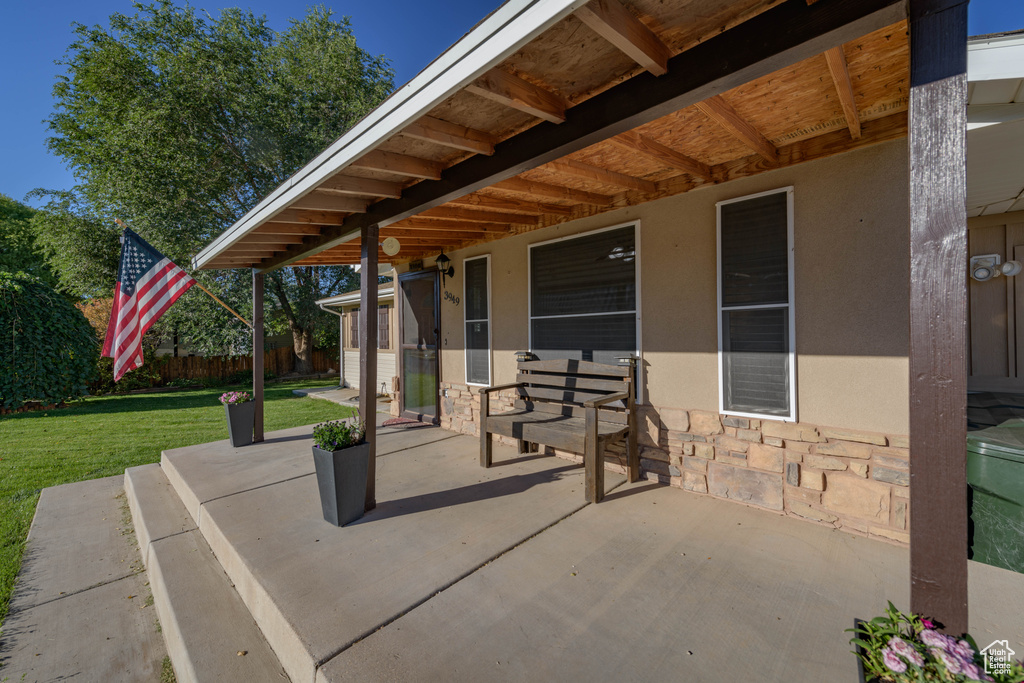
[783, 35]
[315, 201]
[512, 204]
[368, 353]
[537, 189]
[361, 187]
[458, 213]
[836, 59]
[399, 164]
[451, 135]
[658, 152]
[720, 111]
[512, 91]
[597, 174]
[404, 235]
[937, 122]
[613, 22]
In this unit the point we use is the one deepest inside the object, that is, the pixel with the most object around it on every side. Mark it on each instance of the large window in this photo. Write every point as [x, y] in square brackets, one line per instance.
[755, 299]
[477, 298]
[584, 296]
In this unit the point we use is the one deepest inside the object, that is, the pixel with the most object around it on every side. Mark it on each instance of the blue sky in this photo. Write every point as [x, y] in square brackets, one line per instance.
[409, 32]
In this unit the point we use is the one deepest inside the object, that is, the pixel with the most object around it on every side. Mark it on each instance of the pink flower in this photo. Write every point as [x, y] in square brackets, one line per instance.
[892, 661]
[935, 639]
[904, 649]
[952, 662]
[927, 623]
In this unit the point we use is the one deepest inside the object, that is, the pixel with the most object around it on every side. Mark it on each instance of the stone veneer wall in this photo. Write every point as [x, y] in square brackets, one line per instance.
[851, 480]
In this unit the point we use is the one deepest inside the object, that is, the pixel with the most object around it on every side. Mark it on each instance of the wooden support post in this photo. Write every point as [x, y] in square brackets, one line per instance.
[485, 436]
[593, 460]
[257, 354]
[938, 262]
[368, 352]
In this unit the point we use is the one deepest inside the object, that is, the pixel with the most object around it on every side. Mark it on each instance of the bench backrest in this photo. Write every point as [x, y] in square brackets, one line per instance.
[561, 386]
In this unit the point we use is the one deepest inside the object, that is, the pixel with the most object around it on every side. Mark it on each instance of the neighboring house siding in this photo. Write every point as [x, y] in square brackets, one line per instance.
[385, 369]
[845, 462]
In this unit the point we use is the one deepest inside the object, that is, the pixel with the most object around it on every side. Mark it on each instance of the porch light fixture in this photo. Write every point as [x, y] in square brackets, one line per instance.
[988, 266]
[391, 246]
[444, 265]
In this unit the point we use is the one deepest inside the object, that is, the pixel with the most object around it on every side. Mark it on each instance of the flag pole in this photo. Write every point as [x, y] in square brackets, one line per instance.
[200, 286]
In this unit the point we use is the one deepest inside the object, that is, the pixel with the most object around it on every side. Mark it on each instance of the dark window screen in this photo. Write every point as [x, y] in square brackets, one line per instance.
[755, 251]
[353, 337]
[383, 327]
[478, 354]
[583, 297]
[755, 360]
[755, 342]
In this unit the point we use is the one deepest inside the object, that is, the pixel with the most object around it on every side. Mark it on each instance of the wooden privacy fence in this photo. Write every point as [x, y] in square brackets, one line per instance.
[277, 361]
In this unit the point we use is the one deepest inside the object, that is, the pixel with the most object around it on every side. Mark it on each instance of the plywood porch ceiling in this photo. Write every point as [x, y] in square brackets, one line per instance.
[851, 96]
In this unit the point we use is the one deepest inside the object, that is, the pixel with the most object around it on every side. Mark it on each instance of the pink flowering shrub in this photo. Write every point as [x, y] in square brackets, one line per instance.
[233, 397]
[897, 647]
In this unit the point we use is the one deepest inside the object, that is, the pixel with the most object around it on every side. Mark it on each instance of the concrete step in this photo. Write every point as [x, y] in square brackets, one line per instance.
[79, 609]
[209, 632]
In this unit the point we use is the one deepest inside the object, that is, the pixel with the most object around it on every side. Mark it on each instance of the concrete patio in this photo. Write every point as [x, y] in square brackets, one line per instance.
[462, 573]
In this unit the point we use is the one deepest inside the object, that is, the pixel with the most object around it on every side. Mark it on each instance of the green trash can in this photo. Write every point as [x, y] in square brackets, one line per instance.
[995, 473]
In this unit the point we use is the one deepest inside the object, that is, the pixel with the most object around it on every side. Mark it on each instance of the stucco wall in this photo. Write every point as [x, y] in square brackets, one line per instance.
[851, 291]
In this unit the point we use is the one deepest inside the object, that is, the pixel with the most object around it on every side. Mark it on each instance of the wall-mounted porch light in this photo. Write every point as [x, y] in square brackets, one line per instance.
[987, 266]
[444, 265]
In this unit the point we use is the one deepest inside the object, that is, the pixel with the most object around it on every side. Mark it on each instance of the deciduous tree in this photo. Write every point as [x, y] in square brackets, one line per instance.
[179, 123]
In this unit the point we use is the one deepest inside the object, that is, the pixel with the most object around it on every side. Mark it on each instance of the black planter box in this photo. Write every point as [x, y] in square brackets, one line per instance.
[341, 477]
[241, 417]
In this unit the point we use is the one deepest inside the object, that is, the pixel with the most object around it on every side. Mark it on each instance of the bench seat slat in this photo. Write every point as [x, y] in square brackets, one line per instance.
[557, 431]
[613, 416]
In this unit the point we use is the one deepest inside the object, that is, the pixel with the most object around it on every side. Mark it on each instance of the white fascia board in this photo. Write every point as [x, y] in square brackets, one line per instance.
[353, 298]
[995, 58]
[505, 31]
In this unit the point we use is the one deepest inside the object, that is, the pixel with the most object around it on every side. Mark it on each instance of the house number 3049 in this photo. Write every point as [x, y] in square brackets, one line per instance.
[448, 296]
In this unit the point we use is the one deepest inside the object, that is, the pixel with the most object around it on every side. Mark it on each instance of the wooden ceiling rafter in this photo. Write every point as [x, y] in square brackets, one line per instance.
[432, 129]
[399, 164]
[510, 204]
[548, 191]
[512, 91]
[361, 187]
[308, 217]
[261, 238]
[720, 111]
[402, 234]
[654, 150]
[428, 223]
[616, 24]
[318, 201]
[601, 175]
[840, 71]
[459, 213]
[286, 229]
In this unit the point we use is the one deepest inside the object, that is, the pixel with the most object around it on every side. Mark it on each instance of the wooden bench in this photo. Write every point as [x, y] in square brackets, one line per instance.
[571, 405]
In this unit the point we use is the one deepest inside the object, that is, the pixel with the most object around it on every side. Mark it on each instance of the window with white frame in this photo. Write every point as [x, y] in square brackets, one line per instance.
[755, 303]
[477, 298]
[584, 296]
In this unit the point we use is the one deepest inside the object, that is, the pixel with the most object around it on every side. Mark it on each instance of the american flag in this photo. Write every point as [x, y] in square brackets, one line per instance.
[147, 284]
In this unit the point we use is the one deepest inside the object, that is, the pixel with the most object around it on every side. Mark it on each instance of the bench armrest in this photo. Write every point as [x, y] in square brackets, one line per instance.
[598, 402]
[500, 387]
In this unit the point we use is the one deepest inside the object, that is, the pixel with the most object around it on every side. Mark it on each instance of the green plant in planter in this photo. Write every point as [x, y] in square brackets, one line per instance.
[908, 648]
[338, 434]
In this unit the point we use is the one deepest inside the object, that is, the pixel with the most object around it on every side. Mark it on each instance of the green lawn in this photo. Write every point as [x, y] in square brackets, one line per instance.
[99, 437]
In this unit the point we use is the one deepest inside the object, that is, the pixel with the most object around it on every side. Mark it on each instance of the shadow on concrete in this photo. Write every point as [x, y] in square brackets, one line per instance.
[506, 486]
[625, 493]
